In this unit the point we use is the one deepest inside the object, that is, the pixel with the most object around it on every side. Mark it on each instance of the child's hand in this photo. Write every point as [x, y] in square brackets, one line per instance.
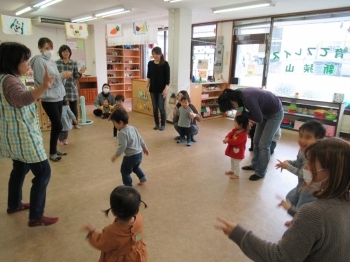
[285, 204]
[225, 140]
[282, 165]
[114, 158]
[88, 227]
[226, 226]
[192, 115]
[146, 152]
[75, 122]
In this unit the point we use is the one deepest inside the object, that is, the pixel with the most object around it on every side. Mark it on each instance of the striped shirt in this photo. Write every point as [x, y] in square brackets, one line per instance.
[70, 85]
[20, 135]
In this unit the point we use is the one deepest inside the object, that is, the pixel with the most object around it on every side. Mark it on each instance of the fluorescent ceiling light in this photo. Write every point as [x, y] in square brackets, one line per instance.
[50, 3]
[122, 12]
[172, 1]
[24, 10]
[233, 8]
[111, 12]
[42, 3]
[83, 19]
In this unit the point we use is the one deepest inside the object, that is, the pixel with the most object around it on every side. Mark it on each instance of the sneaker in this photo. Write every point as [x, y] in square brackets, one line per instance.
[23, 206]
[177, 138]
[115, 137]
[43, 221]
[161, 128]
[77, 127]
[103, 117]
[55, 158]
[60, 153]
[181, 140]
[65, 142]
[255, 177]
[188, 143]
[251, 149]
[247, 168]
[156, 127]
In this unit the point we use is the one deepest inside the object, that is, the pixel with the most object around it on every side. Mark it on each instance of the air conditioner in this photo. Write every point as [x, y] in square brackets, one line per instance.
[49, 22]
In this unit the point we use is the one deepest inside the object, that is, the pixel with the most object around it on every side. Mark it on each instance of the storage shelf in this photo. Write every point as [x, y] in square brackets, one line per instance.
[116, 84]
[132, 56]
[114, 70]
[114, 48]
[310, 116]
[311, 105]
[209, 98]
[218, 90]
[210, 105]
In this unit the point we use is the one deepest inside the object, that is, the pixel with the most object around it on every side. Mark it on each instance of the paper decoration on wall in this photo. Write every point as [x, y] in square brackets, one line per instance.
[114, 30]
[76, 30]
[140, 28]
[16, 25]
[202, 64]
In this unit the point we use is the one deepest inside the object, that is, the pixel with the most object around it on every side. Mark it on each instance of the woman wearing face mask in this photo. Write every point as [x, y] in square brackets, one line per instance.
[105, 94]
[320, 229]
[52, 98]
[66, 64]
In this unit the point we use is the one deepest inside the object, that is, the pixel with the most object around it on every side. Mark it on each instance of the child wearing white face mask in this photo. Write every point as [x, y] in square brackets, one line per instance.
[105, 94]
[309, 133]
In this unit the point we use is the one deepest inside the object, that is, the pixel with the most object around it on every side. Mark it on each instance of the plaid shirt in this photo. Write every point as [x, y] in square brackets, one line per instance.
[70, 85]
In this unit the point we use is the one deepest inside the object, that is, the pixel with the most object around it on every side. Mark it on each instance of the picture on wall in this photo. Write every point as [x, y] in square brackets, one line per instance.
[16, 25]
[114, 30]
[76, 30]
[140, 28]
[202, 64]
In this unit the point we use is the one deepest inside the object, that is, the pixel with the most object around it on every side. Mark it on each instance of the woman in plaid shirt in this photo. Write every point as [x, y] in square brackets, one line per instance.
[66, 64]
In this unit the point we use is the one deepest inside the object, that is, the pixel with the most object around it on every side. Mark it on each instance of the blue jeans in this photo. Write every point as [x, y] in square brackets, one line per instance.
[132, 164]
[194, 129]
[264, 133]
[42, 174]
[158, 102]
[298, 196]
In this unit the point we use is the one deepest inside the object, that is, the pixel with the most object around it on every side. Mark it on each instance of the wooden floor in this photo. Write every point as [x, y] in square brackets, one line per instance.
[186, 190]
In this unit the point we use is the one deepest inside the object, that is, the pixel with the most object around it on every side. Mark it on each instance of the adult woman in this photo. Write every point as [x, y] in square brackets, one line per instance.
[66, 64]
[266, 110]
[158, 79]
[105, 94]
[320, 229]
[195, 116]
[51, 99]
[20, 135]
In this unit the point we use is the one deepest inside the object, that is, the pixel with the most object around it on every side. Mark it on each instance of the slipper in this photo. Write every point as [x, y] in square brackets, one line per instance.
[22, 207]
[55, 159]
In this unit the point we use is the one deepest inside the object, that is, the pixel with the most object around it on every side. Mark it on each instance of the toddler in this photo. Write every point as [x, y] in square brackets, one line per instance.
[132, 145]
[106, 109]
[123, 240]
[66, 118]
[309, 133]
[185, 118]
[236, 141]
[119, 100]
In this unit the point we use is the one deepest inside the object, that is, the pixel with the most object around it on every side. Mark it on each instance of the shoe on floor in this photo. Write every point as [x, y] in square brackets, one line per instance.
[247, 168]
[55, 158]
[177, 138]
[23, 206]
[188, 143]
[251, 149]
[43, 221]
[60, 153]
[156, 127]
[180, 140]
[77, 127]
[255, 177]
[161, 128]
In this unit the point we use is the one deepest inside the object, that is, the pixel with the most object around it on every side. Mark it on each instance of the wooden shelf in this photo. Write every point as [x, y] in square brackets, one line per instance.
[209, 98]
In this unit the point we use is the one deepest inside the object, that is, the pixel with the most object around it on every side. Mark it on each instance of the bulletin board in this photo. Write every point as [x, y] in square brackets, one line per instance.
[78, 51]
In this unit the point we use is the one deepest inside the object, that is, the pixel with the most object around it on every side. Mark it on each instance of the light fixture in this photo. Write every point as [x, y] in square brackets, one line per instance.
[84, 19]
[172, 1]
[50, 3]
[24, 10]
[122, 12]
[110, 12]
[42, 3]
[240, 7]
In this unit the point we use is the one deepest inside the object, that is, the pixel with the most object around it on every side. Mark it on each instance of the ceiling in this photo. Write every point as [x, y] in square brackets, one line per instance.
[155, 12]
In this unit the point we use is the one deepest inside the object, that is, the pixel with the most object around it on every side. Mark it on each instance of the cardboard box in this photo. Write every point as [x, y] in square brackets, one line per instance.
[205, 95]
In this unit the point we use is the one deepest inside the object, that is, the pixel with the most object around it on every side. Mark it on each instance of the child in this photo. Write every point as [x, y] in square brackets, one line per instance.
[236, 141]
[185, 117]
[66, 118]
[309, 133]
[132, 145]
[122, 240]
[119, 100]
[106, 109]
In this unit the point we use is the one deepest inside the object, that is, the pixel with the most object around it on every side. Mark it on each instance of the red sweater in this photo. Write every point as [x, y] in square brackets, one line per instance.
[236, 144]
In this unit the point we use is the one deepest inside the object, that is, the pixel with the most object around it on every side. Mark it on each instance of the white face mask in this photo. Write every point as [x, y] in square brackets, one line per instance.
[105, 91]
[48, 53]
[307, 175]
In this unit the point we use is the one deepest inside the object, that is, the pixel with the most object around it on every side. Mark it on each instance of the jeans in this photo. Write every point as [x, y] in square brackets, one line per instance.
[299, 196]
[194, 129]
[42, 174]
[158, 102]
[264, 133]
[132, 164]
[54, 112]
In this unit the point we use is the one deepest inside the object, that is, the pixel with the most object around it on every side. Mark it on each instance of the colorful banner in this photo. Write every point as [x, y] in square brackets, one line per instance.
[16, 25]
[140, 28]
[76, 30]
[114, 30]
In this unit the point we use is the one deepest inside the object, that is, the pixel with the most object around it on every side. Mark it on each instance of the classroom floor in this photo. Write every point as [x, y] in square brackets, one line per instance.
[187, 189]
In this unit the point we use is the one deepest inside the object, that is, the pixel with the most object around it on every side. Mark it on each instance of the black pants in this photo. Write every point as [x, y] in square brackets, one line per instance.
[54, 112]
[73, 105]
[185, 131]
[97, 112]
[114, 131]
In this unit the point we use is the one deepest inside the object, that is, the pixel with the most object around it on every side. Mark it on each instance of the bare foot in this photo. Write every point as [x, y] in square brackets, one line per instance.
[234, 177]
[288, 223]
[229, 173]
[142, 183]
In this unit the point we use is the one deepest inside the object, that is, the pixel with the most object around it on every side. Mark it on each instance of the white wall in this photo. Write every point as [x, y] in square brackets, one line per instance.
[100, 54]
[225, 29]
[90, 55]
